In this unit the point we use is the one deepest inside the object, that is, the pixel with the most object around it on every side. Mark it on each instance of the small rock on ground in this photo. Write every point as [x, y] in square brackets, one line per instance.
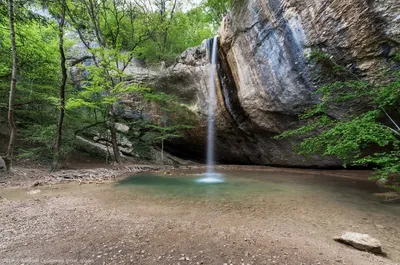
[32, 192]
[362, 242]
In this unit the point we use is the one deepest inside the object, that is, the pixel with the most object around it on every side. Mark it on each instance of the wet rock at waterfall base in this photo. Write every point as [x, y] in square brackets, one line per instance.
[362, 242]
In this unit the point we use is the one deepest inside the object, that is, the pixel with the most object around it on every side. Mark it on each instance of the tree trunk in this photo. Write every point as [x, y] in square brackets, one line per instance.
[113, 131]
[10, 149]
[164, 37]
[57, 144]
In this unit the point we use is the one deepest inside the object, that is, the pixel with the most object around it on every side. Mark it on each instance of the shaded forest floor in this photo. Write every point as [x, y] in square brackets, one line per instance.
[97, 224]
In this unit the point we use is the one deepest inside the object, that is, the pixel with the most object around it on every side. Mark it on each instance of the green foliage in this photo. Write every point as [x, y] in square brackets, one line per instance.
[38, 78]
[216, 9]
[389, 94]
[345, 139]
[374, 125]
[152, 32]
[39, 140]
[170, 120]
[174, 117]
[388, 164]
[105, 85]
[114, 33]
[183, 30]
[330, 69]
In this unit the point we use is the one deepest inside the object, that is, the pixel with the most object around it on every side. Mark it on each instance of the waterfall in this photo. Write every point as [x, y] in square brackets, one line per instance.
[211, 110]
[211, 175]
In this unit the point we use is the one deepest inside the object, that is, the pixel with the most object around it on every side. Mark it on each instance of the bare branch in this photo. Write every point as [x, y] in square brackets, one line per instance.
[390, 118]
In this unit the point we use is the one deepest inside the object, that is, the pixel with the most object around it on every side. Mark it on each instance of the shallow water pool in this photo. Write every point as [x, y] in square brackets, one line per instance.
[259, 186]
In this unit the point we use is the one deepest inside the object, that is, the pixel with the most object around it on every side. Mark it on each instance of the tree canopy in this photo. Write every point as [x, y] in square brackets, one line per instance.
[111, 34]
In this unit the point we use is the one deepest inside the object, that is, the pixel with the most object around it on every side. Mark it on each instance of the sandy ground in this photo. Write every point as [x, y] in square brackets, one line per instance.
[94, 224]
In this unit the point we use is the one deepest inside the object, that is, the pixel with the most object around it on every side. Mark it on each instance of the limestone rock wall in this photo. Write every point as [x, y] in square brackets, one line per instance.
[264, 75]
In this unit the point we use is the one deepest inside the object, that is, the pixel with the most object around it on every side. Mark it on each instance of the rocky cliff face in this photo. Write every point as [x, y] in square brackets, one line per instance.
[265, 79]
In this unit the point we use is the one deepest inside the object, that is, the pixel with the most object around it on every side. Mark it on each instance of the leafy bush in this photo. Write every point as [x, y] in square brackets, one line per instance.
[372, 122]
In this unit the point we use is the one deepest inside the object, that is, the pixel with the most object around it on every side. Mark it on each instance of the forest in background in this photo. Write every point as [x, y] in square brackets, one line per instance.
[46, 112]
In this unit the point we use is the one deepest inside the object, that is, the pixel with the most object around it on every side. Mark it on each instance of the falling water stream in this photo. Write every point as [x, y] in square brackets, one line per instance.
[211, 176]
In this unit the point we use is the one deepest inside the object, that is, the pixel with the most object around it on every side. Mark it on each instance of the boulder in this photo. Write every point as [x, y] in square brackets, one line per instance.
[361, 241]
[121, 127]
